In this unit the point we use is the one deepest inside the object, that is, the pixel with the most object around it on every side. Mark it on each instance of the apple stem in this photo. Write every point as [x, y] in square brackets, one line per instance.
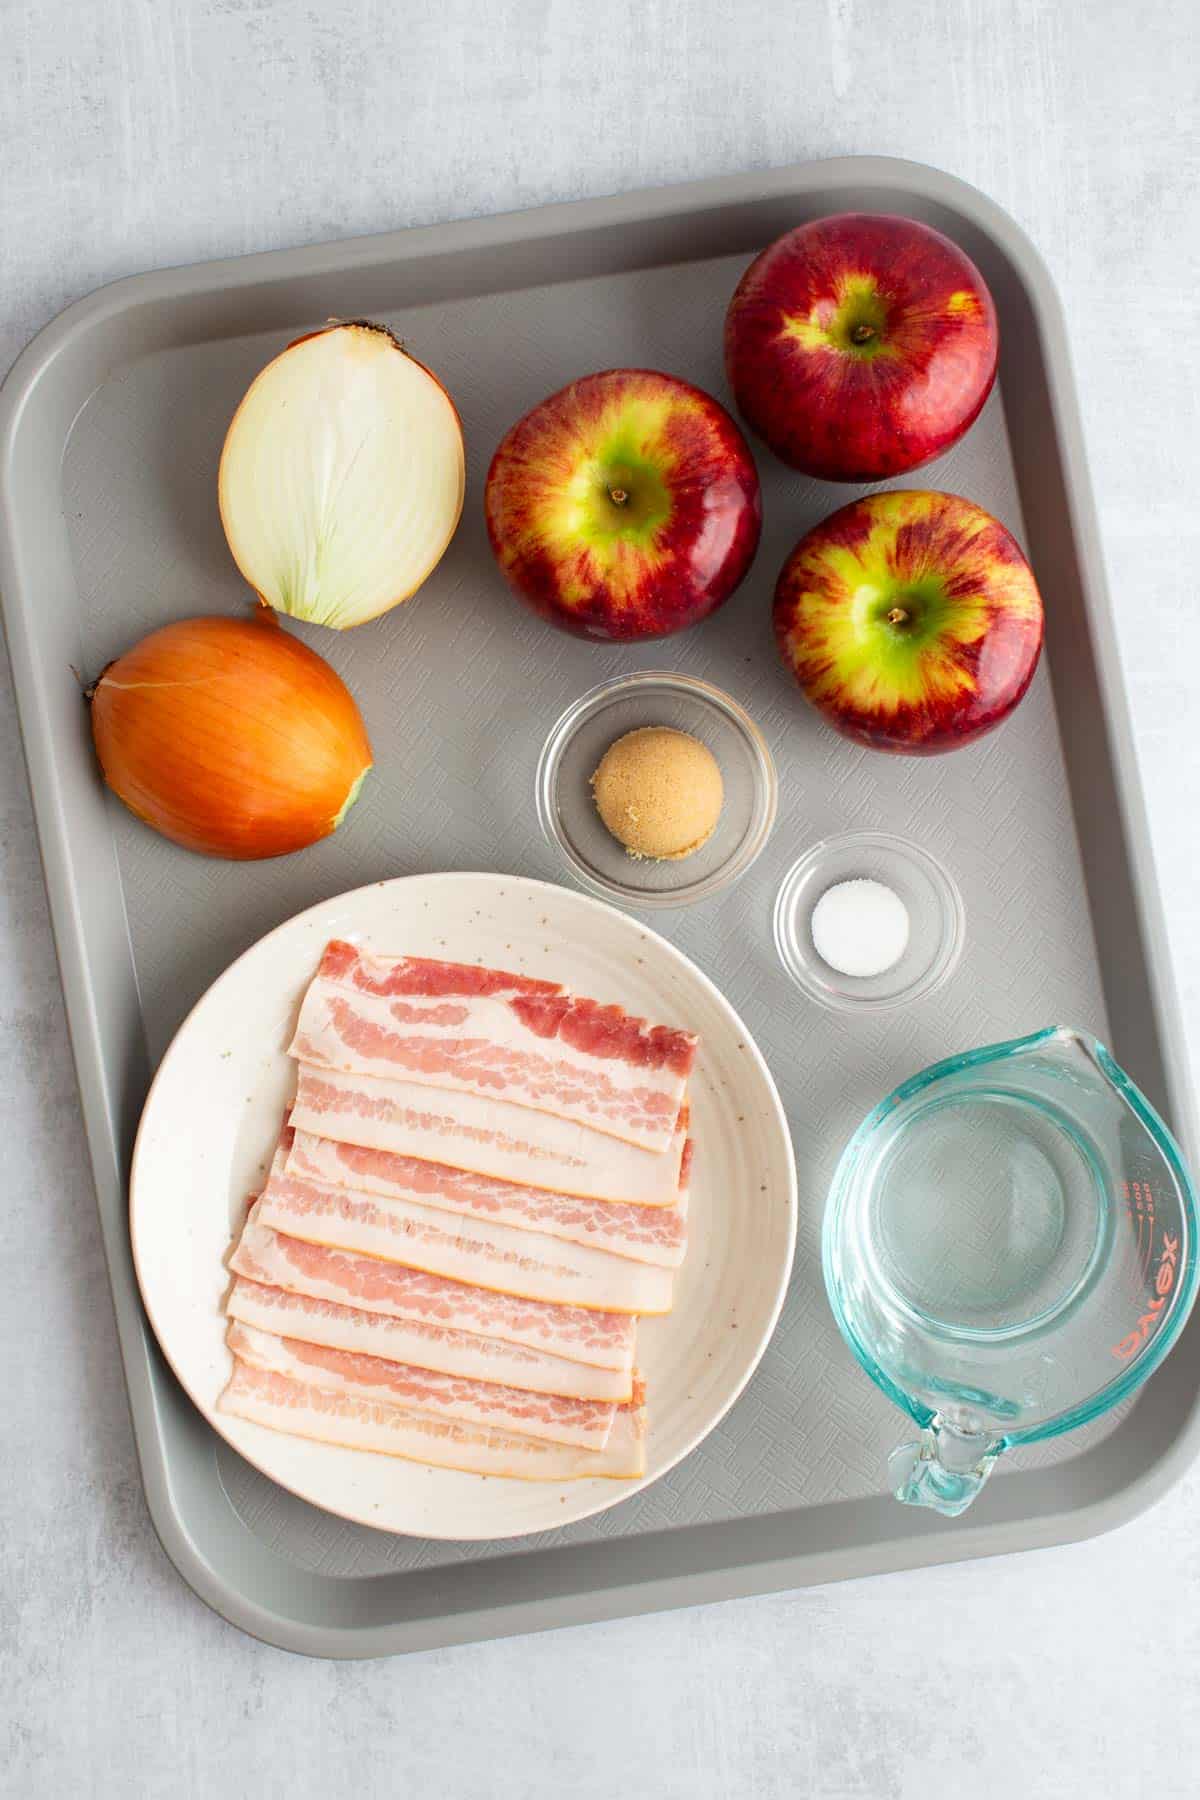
[862, 334]
[618, 496]
[897, 616]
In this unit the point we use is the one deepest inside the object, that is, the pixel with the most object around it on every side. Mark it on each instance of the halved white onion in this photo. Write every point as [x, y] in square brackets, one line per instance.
[342, 476]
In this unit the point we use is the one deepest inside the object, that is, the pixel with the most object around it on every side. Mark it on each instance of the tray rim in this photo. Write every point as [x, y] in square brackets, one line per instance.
[906, 1539]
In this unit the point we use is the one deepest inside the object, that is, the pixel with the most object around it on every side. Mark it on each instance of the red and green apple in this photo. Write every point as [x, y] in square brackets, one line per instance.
[912, 621]
[625, 506]
[861, 346]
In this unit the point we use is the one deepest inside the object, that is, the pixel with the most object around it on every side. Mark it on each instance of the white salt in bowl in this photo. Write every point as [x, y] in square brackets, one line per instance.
[929, 894]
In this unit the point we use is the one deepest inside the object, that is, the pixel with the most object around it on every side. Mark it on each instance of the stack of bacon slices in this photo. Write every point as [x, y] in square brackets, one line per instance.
[481, 1185]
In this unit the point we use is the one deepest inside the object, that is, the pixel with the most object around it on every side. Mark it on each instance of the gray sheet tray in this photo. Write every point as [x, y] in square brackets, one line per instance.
[110, 428]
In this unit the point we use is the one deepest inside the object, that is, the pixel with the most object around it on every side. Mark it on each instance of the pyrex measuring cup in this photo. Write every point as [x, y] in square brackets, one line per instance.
[1009, 1248]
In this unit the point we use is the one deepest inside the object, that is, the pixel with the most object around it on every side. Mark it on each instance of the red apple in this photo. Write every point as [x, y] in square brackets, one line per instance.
[625, 506]
[911, 621]
[860, 346]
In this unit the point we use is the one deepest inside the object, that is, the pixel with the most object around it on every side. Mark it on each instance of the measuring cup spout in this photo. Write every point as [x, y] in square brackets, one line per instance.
[944, 1469]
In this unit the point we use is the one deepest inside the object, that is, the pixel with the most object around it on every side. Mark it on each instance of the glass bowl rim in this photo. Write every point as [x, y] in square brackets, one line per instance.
[766, 788]
[941, 968]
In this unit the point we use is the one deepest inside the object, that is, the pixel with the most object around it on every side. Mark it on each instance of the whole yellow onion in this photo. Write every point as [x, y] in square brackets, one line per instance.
[230, 737]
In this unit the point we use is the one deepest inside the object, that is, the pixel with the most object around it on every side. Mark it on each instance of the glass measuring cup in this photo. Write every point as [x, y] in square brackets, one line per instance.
[1009, 1248]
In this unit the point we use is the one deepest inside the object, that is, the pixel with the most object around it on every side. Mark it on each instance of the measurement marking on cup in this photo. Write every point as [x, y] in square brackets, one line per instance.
[1139, 1210]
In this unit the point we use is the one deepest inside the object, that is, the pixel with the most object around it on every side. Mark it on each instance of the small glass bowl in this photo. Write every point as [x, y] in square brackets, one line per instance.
[936, 920]
[567, 809]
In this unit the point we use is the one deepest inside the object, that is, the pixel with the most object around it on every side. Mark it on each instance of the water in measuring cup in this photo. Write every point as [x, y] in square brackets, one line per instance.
[989, 1214]
[1009, 1248]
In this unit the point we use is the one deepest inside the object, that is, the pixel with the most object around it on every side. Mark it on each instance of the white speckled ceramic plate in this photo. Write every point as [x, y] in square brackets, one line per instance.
[213, 1114]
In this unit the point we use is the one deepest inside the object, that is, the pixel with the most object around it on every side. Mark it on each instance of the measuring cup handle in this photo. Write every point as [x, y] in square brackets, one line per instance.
[944, 1469]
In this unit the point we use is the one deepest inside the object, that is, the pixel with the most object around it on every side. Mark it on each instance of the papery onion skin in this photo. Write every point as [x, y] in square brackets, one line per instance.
[230, 737]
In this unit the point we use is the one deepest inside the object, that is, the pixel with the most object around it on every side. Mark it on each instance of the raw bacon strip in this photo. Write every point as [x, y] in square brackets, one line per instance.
[649, 1234]
[501, 1258]
[284, 1405]
[601, 1338]
[425, 976]
[488, 1137]
[435, 1347]
[505, 1037]
[586, 1423]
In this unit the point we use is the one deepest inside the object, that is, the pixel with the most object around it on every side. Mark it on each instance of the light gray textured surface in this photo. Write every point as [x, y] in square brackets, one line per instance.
[139, 135]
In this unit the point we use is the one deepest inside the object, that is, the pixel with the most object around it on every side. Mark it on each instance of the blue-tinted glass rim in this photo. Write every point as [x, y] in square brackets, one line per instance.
[1138, 1372]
